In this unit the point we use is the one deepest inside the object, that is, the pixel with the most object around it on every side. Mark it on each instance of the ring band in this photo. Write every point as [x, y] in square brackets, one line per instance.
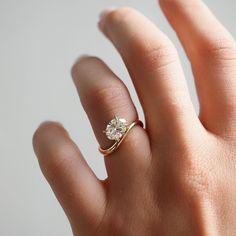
[117, 130]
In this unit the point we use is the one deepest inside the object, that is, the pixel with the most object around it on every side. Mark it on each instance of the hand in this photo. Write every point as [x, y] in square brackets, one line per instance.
[178, 175]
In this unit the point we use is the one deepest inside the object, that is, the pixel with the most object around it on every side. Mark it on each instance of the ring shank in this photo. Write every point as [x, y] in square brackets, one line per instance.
[115, 146]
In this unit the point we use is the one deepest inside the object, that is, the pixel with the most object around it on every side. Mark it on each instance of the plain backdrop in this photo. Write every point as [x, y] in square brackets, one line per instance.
[39, 41]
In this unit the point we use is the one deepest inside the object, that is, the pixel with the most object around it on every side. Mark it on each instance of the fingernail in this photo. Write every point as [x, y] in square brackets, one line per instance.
[103, 15]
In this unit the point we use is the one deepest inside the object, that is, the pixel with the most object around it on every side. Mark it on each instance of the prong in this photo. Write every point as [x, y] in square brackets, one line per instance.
[124, 121]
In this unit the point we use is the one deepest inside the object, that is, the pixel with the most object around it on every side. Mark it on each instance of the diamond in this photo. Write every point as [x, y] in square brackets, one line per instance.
[116, 129]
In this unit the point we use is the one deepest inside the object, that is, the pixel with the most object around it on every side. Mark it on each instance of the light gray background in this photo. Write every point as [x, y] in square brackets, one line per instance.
[39, 40]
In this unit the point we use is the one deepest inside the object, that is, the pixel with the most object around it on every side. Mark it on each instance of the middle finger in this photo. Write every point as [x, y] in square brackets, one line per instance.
[154, 66]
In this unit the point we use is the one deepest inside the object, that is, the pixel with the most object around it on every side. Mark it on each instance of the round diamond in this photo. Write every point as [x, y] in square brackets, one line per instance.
[116, 129]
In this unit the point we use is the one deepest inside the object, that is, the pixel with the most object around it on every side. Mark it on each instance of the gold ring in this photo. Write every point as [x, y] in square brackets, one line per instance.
[117, 129]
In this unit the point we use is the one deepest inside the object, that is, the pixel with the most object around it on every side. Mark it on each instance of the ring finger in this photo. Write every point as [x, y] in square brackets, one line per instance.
[104, 96]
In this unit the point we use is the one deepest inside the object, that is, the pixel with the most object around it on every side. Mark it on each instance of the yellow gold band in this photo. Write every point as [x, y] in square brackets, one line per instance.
[114, 147]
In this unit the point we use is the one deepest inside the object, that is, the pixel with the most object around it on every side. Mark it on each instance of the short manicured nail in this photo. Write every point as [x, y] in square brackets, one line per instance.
[103, 15]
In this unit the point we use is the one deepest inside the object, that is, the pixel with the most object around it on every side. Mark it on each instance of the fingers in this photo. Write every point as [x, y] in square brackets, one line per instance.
[78, 190]
[155, 69]
[104, 96]
[212, 52]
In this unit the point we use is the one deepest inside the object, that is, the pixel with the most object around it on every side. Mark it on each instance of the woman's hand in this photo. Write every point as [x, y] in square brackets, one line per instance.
[177, 176]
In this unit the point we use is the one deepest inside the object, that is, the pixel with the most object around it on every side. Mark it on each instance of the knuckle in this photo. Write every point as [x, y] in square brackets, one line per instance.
[221, 49]
[154, 56]
[116, 95]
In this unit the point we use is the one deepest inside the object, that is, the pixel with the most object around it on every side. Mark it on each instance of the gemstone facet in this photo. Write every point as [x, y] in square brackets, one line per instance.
[116, 129]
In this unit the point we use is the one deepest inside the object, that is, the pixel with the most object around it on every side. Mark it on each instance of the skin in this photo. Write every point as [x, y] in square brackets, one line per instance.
[176, 176]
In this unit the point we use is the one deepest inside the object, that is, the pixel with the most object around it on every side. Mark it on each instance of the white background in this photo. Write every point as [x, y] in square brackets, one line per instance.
[39, 40]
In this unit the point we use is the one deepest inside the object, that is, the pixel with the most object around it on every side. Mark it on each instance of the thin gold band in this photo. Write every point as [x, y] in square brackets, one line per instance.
[111, 149]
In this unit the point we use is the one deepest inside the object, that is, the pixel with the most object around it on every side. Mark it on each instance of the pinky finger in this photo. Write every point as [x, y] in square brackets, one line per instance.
[71, 179]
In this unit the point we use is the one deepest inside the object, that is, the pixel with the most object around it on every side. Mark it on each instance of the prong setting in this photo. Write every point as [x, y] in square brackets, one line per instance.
[116, 128]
